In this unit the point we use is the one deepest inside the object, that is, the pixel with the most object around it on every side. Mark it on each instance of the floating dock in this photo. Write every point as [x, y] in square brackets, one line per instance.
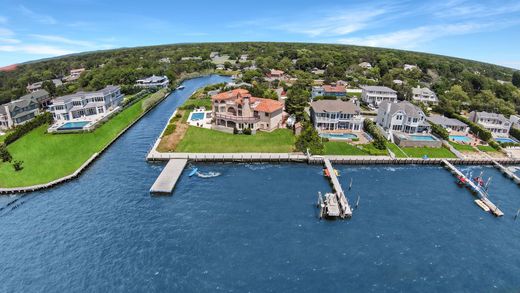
[482, 194]
[344, 208]
[166, 181]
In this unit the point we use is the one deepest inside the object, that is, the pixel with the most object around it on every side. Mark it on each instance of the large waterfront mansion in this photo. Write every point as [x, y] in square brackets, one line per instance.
[237, 109]
[333, 115]
[82, 104]
[402, 117]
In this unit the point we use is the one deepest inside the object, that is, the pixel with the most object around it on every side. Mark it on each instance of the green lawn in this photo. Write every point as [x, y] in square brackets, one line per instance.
[486, 148]
[430, 152]
[462, 147]
[342, 148]
[395, 149]
[346, 149]
[48, 157]
[201, 140]
[197, 103]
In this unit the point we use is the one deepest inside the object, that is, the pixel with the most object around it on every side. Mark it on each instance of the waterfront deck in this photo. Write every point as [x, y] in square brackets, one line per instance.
[169, 176]
[482, 194]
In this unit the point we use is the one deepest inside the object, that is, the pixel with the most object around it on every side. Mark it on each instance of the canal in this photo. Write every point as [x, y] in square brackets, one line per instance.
[254, 227]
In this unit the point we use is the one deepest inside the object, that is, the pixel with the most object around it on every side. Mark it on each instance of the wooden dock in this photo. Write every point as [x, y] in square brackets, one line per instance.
[345, 210]
[169, 176]
[482, 194]
[507, 172]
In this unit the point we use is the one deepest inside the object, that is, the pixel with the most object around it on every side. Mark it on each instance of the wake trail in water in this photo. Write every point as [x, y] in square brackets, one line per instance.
[208, 174]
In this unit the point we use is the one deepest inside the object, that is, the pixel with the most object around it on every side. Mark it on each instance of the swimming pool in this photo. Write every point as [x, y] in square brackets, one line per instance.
[73, 125]
[505, 140]
[422, 138]
[197, 116]
[460, 138]
[338, 135]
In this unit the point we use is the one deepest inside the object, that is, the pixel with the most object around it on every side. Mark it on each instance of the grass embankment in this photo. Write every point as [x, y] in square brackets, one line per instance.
[201, 140]
[396, 150]
[462, 147]
[487, 149]
[430, 152]
[346, 149]
[48, 157]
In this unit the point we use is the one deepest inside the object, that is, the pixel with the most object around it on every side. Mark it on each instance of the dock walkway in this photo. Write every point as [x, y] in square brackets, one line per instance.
[482, 194]
[507, 172]
[169, 176]
[345, 210]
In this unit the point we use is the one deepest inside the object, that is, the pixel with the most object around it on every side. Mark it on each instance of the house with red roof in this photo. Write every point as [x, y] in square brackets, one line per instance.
[238, 109]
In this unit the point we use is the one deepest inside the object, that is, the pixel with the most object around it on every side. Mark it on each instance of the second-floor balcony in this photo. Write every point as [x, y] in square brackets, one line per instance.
[242, 119]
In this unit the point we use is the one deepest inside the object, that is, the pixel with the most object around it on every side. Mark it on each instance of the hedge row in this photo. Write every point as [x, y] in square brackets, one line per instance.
[21, 130]
[379, 139]
[440, 131]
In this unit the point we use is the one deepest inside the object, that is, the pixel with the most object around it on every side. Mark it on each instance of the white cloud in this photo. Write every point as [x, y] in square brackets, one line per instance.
[4, 32]
[37, 50]
[411, 38]
[471, 9]
[63, 40]
[10, 41]
[42, 18]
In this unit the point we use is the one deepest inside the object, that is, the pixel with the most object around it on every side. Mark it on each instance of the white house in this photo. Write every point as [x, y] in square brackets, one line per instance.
[153, 82]
[409, 67]
[402, 117]
[336, 115]
[450, 124]
[365, 65]
[374, 95]
[83, 104]
[497, 124]
[424, 95]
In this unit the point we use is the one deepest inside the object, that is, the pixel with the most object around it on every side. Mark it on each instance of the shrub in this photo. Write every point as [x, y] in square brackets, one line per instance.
[4, 153]
[440, 131]
[19, 131]
[494, 145]
[247, 131]
[235, 130]
[18, 165]
[153, 99]
[379, 140]
[309, 139]
[170, 129]
[515, 133]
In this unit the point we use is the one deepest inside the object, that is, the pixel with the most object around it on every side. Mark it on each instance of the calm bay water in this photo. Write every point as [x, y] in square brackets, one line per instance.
[255, 228]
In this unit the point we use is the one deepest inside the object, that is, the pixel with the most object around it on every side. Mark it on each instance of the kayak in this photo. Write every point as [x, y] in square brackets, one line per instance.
[193, 172]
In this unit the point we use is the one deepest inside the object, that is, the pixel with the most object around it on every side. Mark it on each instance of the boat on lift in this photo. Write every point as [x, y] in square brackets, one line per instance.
[181, 87]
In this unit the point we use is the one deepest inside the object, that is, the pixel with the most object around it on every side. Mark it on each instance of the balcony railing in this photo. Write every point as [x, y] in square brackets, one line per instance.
[237, 118]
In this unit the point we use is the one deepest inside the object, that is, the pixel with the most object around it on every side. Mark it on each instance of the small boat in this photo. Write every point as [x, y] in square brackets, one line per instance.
[327, 174]
[482, 205]
[181, 87]
[462, 180]
[193, 172]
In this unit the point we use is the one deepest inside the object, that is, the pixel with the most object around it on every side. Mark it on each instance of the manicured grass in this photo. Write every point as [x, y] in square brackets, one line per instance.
[430, 152]
[201, 140]
[342, 148]
[486, 148]
[197, 103]
[48, 157]
[395, 149]
[462, 147]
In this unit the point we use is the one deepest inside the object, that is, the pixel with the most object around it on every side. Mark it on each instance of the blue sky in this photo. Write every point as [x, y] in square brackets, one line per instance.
[482, 30]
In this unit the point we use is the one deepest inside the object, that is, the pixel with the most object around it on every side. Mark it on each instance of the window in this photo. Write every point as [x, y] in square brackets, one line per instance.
[267, 115]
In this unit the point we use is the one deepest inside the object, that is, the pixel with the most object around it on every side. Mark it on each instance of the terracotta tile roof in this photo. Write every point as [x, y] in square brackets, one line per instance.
[267, 105]
[334, 89]
[8, 68]
[258, 104]
[233, 94]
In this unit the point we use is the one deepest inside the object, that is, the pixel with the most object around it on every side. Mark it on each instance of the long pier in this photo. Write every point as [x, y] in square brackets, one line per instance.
[344, 207]
[482, 194]
[169, 176]
[507, 172]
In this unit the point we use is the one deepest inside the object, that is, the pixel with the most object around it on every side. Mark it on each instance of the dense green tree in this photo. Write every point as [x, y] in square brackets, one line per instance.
[309, 140]
[516, 79]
